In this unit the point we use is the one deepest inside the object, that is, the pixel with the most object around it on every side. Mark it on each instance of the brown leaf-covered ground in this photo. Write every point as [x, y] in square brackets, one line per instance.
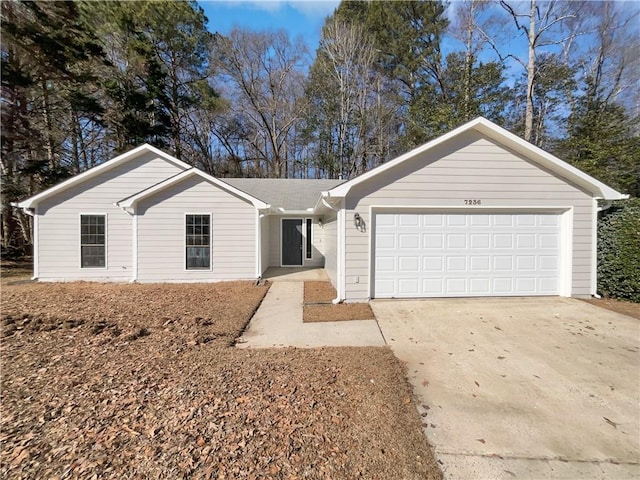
[318, 307]
[141, 381]
[626, 308]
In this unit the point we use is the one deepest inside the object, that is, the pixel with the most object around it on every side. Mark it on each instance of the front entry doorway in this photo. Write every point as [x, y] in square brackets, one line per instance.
[291, 242]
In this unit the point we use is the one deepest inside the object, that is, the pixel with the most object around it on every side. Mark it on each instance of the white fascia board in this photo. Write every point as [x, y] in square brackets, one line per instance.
[129, 202]
[283, 211]
[482, 125]
[92, 172]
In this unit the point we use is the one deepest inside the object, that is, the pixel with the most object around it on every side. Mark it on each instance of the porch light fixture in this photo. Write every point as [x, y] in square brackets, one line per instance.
[357, 220]
[320, 222]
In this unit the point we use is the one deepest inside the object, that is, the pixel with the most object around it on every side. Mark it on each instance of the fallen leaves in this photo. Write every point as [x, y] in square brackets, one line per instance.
[146, 385]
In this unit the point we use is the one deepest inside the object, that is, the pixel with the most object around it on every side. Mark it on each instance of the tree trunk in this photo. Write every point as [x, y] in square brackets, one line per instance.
[531, 66]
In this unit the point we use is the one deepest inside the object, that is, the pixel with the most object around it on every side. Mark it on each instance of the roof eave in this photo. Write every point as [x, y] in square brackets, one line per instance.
[30, 202]
[503, 136]
[130, 202]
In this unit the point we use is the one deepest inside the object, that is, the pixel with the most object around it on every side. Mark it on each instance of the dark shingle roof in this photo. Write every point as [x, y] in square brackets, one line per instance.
[287, 193]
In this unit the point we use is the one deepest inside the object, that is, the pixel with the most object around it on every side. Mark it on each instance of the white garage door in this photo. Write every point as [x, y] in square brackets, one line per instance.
[460, 255]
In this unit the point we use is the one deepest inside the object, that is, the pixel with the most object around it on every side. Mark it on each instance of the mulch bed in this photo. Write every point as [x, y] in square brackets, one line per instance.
[626, 308]
[140, 381]
[318, 307]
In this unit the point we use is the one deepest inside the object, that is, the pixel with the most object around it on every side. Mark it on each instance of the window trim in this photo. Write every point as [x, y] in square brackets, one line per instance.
[308, 237]
[184, 243]
[106, 239]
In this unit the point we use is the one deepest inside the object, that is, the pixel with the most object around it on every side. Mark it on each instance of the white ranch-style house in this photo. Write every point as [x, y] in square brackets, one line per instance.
[475, 212]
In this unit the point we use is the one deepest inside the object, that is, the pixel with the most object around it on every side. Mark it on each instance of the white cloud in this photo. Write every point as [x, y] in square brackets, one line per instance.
[309, 8]
[314, 8]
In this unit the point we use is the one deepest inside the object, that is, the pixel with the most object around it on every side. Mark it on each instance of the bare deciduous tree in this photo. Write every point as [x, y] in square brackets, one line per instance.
[265, 72]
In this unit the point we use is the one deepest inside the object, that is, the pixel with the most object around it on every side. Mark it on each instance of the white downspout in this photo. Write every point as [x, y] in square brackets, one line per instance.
[258, 244]
[340, 254]
[134, 248]
[134, 239]
[339, 245]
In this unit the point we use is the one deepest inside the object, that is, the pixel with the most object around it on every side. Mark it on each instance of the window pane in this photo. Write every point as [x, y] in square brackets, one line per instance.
[92, 241]
[198, 257]
[198, 242]
[93, 257]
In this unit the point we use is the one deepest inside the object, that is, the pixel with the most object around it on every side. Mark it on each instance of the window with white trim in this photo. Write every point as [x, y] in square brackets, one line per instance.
[198, 242]
[93, 250]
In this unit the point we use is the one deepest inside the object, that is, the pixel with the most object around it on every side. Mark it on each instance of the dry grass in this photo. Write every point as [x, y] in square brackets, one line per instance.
[337, 313]
[317, 292]
[140, 381]
[318, 307]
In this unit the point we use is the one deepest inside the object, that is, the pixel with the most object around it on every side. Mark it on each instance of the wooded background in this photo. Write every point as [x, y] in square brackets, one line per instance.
[83, 81]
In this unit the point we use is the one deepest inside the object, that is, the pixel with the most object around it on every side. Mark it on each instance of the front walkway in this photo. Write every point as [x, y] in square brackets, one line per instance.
[278, 323]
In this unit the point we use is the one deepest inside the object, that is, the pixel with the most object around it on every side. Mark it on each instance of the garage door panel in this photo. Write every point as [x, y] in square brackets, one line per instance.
[480, 264]
[433, 240]
[408, 264]
[480, 240]
[456, 264]
[525, 286]
[548, 285]
[526, 263]
[479, 286]
[527, 240]
[386, 240]
[409, 286]
[434, 220]
[408, 220]
[502, 240]
[549, 241]
[409, 240]
[432, 287]
[548, 263]
[503, 285]
[457, 240]
[385, 264]
[432, 264]
[456, 220]
[433, 255]
[385, 288]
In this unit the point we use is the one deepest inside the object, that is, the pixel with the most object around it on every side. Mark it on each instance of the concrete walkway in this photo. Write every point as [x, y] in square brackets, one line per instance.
[278, 323]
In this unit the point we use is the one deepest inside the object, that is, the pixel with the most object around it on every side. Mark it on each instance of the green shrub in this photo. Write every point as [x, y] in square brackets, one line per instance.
[619, 251]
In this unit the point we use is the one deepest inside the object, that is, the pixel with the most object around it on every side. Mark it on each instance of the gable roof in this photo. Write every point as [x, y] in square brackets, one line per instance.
[290, 194]
[130, 201]
[92, 172]
[500, 135]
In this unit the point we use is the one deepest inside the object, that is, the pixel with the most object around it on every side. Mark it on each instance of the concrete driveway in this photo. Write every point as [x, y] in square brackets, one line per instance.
[522, 388]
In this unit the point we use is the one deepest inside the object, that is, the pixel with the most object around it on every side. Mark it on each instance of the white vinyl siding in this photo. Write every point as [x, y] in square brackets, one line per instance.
[469, 167]
[161, 256]
[58, 220]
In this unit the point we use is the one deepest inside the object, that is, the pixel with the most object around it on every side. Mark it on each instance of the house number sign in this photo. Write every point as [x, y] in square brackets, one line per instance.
[473, 202]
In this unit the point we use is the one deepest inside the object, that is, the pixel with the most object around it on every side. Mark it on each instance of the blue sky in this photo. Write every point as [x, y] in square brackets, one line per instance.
[298, 17]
